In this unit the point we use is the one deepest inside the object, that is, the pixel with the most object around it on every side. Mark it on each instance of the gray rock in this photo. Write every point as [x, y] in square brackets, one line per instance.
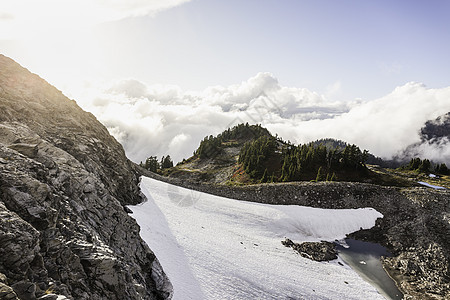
[317, 251]
[7, 292]
[25, 149]
[64, 181]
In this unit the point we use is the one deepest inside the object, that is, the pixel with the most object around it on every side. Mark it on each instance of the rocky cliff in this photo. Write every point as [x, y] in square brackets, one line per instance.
[64, 181]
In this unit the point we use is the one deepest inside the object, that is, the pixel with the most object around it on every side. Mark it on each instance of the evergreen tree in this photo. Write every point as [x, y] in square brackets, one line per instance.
[442, 169]
[166, 162]
[333, 177]
[320, 174]
[425, 166]
[265, 177]
[414, 164]
[151, 164]
[272, 179]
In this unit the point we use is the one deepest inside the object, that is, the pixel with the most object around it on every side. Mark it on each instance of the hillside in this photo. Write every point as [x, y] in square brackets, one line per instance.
[249, 154]
[414, 226]
[64, 182]
[216, 158]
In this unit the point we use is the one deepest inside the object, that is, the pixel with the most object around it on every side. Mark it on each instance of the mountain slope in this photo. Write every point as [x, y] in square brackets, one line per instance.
[249, 154]
[64, 182]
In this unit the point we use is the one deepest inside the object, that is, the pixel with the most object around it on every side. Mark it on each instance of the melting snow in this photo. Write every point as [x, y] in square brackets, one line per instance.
[431, 186]
[217, 248]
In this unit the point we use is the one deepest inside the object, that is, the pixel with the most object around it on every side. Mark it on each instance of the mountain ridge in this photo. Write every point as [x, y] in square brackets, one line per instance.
[249, 154]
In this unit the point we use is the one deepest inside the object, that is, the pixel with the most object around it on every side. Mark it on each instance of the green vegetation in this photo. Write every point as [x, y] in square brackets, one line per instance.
[211, 146]
[253, 155]
[153, 165]
[267, 157]
[442, 169]
[249, 154]
[425, 166]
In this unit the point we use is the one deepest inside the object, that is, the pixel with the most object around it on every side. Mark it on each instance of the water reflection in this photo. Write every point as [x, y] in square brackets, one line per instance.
[364, 258]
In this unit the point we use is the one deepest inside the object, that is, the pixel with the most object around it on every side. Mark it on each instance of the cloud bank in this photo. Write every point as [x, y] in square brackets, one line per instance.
[160, 120]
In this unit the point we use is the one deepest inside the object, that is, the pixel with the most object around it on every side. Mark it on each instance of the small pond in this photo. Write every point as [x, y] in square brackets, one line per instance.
[364, 258]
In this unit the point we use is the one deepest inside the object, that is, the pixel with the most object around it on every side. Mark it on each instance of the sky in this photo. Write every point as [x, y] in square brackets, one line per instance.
[162, 74]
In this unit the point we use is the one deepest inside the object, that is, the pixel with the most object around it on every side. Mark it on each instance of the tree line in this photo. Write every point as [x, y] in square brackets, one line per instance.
[152, 163]
[426, 166]
[268, 159]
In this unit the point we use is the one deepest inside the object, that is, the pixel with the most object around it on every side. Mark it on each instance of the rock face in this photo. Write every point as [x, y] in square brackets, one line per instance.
[318, 251]
[64, 181]
[415, 227]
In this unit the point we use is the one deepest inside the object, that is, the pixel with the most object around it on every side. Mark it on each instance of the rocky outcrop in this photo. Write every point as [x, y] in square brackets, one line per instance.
[64, 181]
[317, 251]
[415, 226]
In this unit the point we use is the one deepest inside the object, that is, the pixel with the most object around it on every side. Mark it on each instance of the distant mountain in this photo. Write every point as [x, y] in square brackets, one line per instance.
[64, 182]
[436, 129]
[434, 144]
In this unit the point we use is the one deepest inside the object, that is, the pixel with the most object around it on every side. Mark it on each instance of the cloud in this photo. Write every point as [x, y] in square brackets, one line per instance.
[437, 150]
[387, 125]
[160, 120]
[65, 17]
[435, 141]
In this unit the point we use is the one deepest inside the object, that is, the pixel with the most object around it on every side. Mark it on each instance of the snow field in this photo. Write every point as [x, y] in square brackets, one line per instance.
[217, 248]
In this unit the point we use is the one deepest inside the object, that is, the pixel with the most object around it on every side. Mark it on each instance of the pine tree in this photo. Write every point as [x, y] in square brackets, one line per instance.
[264, 178]
[272, 179]
[152, 164]
[442, 169]
[425, 166]
[320, 174]
[166, 162]
[333, 177]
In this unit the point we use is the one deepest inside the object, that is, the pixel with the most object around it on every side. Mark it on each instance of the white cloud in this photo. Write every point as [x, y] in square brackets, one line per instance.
[24, 19]
[437, 150]
[160, 120]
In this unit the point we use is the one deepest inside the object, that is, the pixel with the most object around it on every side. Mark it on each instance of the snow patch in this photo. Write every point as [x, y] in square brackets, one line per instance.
[432, 186]
[219, 248]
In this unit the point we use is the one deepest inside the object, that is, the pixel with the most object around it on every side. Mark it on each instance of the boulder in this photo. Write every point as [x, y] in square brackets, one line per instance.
[317, 251]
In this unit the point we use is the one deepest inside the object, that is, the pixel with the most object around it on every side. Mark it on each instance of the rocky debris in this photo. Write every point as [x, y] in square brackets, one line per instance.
[6, 292]
[64, 181]
[318, 251]
[415, 227]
